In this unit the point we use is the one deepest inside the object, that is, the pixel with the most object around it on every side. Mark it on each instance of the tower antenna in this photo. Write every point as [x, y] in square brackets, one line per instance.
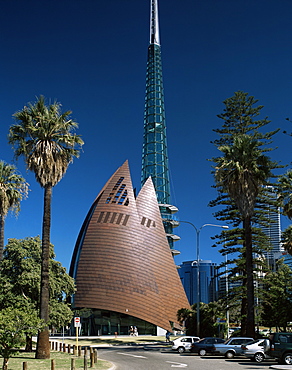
[154, 24]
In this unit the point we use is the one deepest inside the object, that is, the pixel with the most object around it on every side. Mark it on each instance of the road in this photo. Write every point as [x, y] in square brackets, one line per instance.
[155, 358]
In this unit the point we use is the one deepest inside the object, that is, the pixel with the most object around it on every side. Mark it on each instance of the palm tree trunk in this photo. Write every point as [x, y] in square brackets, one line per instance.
[43, 344]
[2, 221]
[250, 320]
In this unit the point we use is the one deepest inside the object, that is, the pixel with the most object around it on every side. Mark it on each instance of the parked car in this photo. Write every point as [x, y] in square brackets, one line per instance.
[203, 346]
[230, 348]
[256, 350]
[281, 347]
[265, 331]
[184, 343]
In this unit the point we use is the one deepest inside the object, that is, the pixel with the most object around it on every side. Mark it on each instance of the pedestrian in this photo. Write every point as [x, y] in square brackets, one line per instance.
[167, 336]
[135, 331]
[131, 331]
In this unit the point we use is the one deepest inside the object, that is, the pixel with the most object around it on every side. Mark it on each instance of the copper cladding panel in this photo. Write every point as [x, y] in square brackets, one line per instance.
[125, 264]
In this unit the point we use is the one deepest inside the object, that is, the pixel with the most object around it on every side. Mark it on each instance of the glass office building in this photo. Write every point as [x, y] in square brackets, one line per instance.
[208, 280]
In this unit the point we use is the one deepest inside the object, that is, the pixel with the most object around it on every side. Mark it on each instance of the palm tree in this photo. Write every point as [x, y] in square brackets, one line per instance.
[287, 239]
[43, 136]
[241, 172]
[285, 200]
[13, 189]
[285, 193]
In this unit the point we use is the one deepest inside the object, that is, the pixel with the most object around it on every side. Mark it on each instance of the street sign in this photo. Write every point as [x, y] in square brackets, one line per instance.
[77, 323]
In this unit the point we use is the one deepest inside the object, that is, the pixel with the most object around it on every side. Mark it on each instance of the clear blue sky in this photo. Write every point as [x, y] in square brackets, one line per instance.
[91, 56]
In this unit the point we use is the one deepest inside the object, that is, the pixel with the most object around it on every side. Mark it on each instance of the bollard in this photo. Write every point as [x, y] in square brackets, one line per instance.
[24, 366]
[69, 348]
[64, 347]
[56, 346]
[85, 362]
[74, 350]
[73, 364]
[60, 347]
[79, 351]
[95, 356]
[52, 364]
[91, 359]
[52, 345]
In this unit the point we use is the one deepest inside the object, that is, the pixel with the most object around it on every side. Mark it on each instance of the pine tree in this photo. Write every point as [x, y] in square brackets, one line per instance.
[241, 174]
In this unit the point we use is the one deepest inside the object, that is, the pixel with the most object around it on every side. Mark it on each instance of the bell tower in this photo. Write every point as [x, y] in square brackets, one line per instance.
[154, 155]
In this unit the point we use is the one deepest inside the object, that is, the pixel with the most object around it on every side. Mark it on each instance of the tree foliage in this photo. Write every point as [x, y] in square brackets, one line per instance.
[285, 193]
[20, 277]
[15, 324]
[209, 313]
[13, 188]
[20, 281]
[287, 239]
[277, 298]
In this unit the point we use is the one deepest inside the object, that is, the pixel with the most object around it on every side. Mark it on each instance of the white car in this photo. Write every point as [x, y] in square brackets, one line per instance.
[183, 344]
[256, 350]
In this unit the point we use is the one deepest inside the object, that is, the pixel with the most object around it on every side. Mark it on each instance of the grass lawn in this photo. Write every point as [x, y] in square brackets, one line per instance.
[62, 362]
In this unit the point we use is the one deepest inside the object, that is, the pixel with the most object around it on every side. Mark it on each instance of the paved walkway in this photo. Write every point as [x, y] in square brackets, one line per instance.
[281, 367]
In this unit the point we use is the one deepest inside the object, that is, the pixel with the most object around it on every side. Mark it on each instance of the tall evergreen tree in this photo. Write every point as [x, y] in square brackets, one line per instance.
[240, 175]
[44, 136]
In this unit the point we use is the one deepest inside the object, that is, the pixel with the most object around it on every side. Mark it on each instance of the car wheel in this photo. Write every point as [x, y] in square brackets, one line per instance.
[181, 349]
[229, 354]
[202, 352]
[259, 357]
[287, 359]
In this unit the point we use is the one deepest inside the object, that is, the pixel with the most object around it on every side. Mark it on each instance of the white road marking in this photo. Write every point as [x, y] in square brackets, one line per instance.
[128, 354]
[177, 364]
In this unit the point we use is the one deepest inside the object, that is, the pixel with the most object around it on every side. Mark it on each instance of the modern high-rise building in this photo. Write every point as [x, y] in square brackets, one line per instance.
[154, 155]
[273, 232]
[208, 280]
[287, 259]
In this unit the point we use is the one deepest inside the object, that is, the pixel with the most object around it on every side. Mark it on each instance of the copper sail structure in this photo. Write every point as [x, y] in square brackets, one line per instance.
[154, 155]
[122, 262]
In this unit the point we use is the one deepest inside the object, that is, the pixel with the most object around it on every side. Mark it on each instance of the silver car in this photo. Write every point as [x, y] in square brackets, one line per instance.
[256, 350]
[231, 348]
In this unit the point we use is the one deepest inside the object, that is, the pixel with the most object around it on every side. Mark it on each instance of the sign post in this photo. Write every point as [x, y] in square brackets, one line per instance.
[77, 325]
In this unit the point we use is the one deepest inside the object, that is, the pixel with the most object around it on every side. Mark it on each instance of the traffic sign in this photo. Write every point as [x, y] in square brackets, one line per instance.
[77, 323]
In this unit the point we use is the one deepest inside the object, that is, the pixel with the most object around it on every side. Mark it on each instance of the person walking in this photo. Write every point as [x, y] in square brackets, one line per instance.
[167, 336]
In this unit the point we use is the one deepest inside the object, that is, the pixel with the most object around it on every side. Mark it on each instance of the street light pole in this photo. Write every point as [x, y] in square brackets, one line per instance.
[198, 230]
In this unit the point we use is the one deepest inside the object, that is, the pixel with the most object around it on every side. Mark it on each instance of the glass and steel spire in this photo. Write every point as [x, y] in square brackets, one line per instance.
[154, 156]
